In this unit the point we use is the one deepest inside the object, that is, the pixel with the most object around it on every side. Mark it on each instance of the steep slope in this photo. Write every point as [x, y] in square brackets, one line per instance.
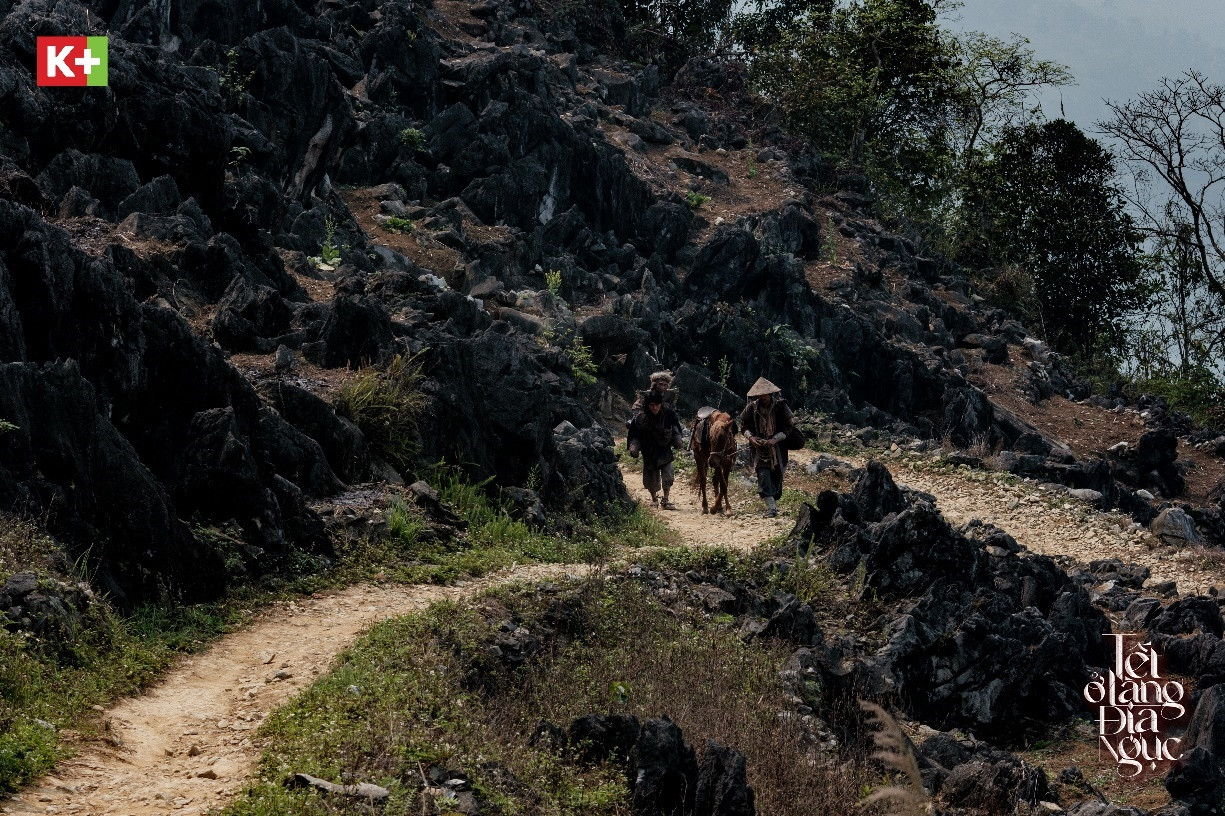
[167, 236]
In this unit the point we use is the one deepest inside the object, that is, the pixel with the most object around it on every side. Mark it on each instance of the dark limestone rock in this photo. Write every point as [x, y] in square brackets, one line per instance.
[995, 782]
[876, 494]
[357, 332]
[250, 318]
[595, 738]
[663, 771]
[109, 180]
[49, 610]
[1196, 778]
[1189, 615]
[1206, 728]
[68, 461]
[722, 785]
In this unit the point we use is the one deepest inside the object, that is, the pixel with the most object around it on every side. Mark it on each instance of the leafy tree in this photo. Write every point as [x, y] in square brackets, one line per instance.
[997, 78]
[878, 84]
[693, 25]
[866, 80]
[1045, 200]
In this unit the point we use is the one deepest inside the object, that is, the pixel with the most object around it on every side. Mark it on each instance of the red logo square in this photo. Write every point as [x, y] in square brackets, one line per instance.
[56, 61]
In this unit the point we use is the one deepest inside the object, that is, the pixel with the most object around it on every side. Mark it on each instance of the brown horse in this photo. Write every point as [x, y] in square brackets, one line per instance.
[714, 450]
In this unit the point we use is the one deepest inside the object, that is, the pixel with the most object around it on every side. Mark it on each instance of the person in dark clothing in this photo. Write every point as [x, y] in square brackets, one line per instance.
[766, 421]
[661, 382]
[654, 433]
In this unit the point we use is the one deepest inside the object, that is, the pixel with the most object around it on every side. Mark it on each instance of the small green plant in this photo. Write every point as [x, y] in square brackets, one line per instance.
[725, 371]
[534, 480]
[413, 138]
[547, 336]
[830, 247]
[695, 199]
[6, 426]
[788, 348]
[808, 581]
[233, 82]
[239, 156]
[385, 406]
[618, 692]
[582, 365]
[752, 160]
[552, 279]
[329, 253]
[399, 225]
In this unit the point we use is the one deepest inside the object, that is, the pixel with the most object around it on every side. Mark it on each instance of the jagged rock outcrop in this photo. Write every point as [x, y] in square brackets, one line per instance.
[987, 634]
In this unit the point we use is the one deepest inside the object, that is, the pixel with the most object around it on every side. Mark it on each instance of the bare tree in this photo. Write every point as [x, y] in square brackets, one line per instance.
[1177, 134]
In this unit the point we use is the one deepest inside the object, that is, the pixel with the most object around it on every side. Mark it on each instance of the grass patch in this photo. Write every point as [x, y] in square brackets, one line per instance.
[399, 225]
[696, 200]
[422, 693]
[23, 547]
[410, 549]
[701, 559]
[385, 405]
[47, 687]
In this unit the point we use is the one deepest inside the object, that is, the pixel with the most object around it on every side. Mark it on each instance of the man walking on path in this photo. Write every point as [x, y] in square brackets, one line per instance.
[654, 433]
[661, 383]
[766, 421]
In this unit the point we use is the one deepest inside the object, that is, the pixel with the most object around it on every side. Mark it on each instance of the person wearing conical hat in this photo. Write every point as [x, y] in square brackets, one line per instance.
[766, 421]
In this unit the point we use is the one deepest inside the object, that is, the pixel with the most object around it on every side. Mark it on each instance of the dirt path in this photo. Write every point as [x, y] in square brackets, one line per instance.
[1053, 525]
[187, 745]
[743, 530]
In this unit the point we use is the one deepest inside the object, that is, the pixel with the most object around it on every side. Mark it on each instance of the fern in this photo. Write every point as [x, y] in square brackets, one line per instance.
[906, 796]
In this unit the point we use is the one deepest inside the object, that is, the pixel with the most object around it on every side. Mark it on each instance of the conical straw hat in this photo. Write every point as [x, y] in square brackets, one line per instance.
[763, 387]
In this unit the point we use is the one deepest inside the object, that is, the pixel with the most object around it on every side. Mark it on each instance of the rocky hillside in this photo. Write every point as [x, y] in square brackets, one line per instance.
[267, 196]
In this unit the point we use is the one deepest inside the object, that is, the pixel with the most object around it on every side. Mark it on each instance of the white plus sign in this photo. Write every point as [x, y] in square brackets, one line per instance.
[87, 62]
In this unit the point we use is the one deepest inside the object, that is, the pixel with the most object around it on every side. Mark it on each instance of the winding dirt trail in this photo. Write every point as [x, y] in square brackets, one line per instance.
[187, 745]
[743, 530]
[1054, 525]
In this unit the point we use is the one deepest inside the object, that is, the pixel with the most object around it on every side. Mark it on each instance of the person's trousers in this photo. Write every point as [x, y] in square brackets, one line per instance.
[654, 477]
[769, 482]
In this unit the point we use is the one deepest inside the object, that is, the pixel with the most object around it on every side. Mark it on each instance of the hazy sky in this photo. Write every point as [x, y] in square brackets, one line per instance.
[1114, 48]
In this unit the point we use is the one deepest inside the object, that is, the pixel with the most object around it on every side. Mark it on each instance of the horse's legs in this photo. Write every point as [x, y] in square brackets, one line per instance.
[702, 466]
[722, 503]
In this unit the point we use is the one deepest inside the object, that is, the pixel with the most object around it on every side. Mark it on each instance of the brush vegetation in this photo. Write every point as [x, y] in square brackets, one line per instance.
[51, 684]
[385, 404]
[423, 693]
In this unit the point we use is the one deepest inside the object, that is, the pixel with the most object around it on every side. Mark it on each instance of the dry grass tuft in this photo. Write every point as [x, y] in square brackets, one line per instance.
[385, 405]
[906, 797]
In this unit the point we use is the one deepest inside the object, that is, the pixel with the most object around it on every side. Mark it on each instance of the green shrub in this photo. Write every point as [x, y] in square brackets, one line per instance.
[582, 365]
[329, 253]
[413, 138]
[695, 199]
[385, 406]
[1196, 392]
[552, 280]
[399, 225]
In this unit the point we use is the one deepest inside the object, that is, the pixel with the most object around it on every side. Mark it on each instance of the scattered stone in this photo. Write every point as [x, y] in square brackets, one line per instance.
[1175, 528]
[364, 790]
